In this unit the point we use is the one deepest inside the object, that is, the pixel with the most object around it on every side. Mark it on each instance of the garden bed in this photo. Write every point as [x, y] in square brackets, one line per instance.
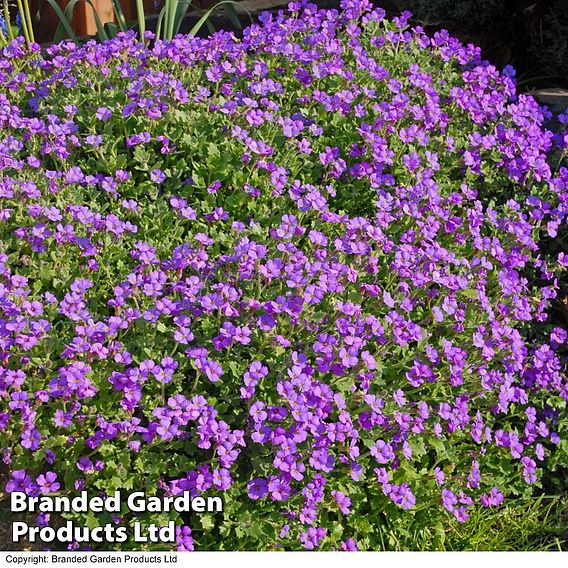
[308, 269]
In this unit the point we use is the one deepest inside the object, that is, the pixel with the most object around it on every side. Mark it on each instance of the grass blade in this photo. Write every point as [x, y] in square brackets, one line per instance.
[205, 17]
[25, 30]
[171, 10]
[233, 17]
[67, 17]
[63, 23]
[28, 17]
[160, 22]
[181, 9]
[121, 20]
[7, 20]
[141, 19]
[111, 29]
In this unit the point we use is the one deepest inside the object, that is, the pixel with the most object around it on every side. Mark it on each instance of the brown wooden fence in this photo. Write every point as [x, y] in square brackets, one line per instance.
[83, 20]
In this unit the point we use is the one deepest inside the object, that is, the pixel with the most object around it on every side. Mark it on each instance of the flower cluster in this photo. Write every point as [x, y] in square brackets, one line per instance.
[298, 270]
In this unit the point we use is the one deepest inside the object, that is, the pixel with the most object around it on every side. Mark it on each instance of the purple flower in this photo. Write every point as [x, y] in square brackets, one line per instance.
[306, 299]
[492, 499]
[214, 187]
[343, 502]
[349, 545]
[312, 537]
[157, 176]
[42, 520]
[449, 500]
[47, 482]
[85, 465]
[257, 488]
[184, 539]
[382, 452]
[20, 482]
[103, 113]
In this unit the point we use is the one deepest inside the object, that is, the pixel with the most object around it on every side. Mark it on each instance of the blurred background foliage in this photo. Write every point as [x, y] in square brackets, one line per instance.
[532, 35]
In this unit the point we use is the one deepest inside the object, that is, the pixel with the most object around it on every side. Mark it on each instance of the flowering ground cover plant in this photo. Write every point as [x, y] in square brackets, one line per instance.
[299, 270]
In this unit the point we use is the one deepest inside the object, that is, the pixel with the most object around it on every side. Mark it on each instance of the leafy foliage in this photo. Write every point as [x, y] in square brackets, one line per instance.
[297, 270]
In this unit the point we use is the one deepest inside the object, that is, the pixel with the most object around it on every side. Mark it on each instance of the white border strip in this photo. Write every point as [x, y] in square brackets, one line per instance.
[284, 559]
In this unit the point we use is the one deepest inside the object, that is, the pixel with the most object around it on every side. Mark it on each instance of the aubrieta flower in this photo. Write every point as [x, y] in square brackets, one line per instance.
[184, 539]
[326, 305]
[20, 481]
[47, 483]
[349, 545]
[257, 488]
[103, 113]
[157, 176]
[312, 537]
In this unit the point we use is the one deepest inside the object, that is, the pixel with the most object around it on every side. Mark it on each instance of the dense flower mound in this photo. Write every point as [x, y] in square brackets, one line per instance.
[298, 270]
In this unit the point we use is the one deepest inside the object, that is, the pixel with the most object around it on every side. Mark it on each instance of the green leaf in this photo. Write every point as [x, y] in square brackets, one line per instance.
[65, 19]
[469, 293]
[207, 522]
[195, 29]
[91, 521]
[160, 326]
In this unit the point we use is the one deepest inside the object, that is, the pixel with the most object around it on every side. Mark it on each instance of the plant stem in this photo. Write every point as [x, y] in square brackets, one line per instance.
[171, 14]
[28, 20]
[24, 23]
[141, 19]
[7, 20]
